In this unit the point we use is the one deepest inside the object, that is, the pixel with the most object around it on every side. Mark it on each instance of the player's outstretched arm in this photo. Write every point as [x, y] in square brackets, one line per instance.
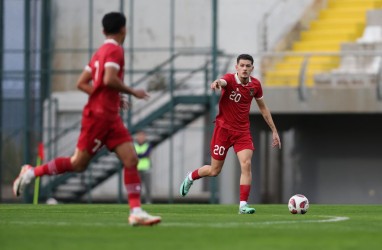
[218, 84]
[83, 82]
[112, 80]
[268, 119]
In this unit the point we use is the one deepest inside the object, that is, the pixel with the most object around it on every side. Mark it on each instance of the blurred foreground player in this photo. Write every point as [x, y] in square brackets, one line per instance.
[102, 80]
[232, 128]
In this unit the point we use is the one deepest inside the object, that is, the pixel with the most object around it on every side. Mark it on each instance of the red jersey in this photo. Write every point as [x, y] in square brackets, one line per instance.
[235, 102]
[105, 101]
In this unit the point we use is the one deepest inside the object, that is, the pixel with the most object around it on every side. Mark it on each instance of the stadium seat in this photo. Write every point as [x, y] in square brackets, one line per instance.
[363, 67]
[343, 21]
[372, 34]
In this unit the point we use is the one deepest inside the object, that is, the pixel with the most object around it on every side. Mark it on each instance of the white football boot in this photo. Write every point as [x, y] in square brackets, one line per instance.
[22, 180]
[142, 218]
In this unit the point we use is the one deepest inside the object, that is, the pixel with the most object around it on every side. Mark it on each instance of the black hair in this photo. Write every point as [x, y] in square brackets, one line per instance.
[113, 22]
[244, 57]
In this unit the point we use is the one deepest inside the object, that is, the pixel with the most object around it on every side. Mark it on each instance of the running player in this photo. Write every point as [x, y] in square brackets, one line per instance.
[232, 128]
[101, 122]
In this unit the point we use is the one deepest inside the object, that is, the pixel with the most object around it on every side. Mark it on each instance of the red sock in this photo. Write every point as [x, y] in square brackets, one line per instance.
[244, 192]
[54, 167]
[195, 175]
[133, 186]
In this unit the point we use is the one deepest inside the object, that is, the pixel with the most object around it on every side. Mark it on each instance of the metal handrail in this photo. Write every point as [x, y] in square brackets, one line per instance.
[155, 69]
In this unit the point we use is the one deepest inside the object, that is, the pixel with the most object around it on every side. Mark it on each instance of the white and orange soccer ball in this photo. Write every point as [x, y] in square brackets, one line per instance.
[298, 204]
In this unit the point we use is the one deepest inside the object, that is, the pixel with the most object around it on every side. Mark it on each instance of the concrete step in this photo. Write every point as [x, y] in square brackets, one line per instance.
[340, 24]
[333, 45]
[344, 4]
[359, 14]
[346, 35]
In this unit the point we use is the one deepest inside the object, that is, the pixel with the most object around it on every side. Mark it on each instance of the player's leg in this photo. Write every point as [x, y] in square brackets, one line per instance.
[120, 141]
[218, 147]
[245, 157]
[89, 141]
[207, 170]
[77, 163]
[126, 153]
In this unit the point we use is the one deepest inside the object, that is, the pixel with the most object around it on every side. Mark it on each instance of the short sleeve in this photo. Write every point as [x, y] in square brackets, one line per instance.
[227, 77]
[114, 58]
[259, 92]
[88, 68]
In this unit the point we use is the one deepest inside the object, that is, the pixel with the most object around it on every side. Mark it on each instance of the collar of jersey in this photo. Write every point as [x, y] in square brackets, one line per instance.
[238, 79]
[111, 41]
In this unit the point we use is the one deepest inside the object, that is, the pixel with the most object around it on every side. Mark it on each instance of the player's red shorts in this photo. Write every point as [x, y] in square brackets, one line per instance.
[96, 132]
[223, 139]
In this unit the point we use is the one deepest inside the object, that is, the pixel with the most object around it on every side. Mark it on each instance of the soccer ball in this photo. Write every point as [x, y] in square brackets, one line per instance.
[298, 204]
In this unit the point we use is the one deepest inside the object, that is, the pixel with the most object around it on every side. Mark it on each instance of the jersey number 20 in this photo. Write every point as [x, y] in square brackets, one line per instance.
[235, 96]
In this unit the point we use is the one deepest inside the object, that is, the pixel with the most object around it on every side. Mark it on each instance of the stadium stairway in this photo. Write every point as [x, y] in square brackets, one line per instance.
[154, 117]
[342, 21]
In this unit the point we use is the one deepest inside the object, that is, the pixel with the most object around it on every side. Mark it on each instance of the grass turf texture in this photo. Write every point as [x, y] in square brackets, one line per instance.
[190, 227]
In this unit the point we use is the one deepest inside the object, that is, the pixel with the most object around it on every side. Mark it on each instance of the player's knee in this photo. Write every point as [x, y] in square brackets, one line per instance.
[215, 172]
[246, 164]
[246, 169]
[79, 167]
[79, 164]
[130, 161]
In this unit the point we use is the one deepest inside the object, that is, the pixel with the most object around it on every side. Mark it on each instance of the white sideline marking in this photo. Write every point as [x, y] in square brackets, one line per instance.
[254, 224]
[64, 223]
[327, 219]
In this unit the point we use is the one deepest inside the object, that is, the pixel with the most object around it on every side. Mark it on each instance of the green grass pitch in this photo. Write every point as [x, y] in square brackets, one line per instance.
[196, 227]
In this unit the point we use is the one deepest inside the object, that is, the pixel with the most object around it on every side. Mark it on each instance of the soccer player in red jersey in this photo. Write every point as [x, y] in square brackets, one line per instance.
[102, 80]
[232, 128]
